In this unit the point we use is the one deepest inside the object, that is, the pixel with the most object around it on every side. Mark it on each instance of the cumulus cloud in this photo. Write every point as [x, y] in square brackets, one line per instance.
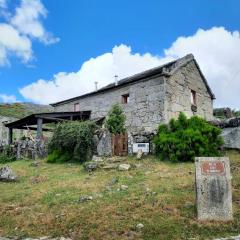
[12, 42]
[8, 98]
[216, 50]
[27, 21]
[120, 61]
[19, 29]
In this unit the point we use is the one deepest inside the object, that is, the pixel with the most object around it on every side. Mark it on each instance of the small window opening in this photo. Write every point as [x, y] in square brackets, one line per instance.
[76, 107]
[125, 98]
[193, 98]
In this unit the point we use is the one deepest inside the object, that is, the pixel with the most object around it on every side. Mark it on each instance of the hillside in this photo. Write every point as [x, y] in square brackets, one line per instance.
[19, 110]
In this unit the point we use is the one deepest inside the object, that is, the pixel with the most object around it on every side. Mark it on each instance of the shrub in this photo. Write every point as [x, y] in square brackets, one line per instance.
[71, 141]
[115, 121]
[184, 139]
[7, 155]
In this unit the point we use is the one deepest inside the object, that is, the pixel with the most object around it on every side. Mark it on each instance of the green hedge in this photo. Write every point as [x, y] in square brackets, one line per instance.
[184, 139]
[72, 140]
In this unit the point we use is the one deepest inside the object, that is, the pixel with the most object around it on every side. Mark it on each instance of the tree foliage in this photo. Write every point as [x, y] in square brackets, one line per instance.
[115, 121]
[184, 139]
[72, 140]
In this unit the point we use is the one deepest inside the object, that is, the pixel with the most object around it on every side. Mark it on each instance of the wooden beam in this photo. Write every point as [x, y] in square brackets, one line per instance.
[39, 127]
[10, 135]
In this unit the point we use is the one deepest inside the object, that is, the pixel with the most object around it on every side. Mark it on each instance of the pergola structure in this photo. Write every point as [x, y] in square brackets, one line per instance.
[36, 121]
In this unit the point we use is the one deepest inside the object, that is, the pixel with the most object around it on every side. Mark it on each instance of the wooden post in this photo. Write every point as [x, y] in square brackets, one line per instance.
[39, 127]
[10, 135]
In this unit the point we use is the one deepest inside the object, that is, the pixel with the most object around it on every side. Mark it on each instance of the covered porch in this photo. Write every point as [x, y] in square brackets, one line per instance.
[36, 121]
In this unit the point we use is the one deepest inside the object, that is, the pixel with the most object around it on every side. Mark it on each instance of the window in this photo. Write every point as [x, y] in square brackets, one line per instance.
[125, 98]
[76, 107]
[193, 98]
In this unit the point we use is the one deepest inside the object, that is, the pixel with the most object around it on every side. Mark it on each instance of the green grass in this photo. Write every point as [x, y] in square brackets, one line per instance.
[160, 195]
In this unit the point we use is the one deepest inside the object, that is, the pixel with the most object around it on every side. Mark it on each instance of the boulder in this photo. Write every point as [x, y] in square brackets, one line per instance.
[7, 174]
[231, 137]
[124, 167]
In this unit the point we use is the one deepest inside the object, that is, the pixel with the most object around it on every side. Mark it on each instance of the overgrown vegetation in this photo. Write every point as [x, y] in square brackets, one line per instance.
[7, 155]
[183, 139]
[71, 140]
[115, 121]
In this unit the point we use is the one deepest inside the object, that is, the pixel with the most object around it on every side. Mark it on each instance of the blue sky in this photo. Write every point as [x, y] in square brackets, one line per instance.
[139, 30]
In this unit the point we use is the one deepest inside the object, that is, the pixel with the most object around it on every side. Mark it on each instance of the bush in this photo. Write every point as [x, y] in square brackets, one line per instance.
[7, 155]
[184, 139]
[115, 121]
[71, 141]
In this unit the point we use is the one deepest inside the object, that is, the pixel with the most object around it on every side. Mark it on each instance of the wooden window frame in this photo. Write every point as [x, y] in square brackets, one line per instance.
[76, 107]
[125, 98]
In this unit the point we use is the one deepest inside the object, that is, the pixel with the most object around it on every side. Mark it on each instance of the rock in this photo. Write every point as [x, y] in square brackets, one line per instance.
[90, 166]
[7, 174]
[110, 166]
[139, 154]
[139, 226]
[124, 167]
[97, 159]
[85, 198]
[231, 137]
[123, 187]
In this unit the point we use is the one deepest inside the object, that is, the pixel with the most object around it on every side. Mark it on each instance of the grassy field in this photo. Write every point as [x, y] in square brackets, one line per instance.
[160, 195]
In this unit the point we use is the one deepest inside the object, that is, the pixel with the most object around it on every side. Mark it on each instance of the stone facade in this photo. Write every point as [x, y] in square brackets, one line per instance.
[144, 111]
[178, 93]
[155, 97]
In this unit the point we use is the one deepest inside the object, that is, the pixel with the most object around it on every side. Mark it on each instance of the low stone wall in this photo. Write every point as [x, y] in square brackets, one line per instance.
[28, 149]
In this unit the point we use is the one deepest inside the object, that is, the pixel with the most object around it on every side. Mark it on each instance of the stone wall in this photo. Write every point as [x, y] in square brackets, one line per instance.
[178, 93]
[144, 111]
[4, 131]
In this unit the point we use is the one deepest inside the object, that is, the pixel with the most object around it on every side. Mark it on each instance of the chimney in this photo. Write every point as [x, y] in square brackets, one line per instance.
[96, 88]
[116, 80]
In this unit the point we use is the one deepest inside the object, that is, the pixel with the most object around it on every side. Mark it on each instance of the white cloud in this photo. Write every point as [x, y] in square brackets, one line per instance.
[12, 42]
[20, 29]
[8, 98]
[218, 54]
[27, 21]
[120, 61]
[216, 50]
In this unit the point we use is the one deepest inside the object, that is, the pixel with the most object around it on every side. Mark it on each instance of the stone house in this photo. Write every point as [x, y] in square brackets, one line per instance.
[150, 97]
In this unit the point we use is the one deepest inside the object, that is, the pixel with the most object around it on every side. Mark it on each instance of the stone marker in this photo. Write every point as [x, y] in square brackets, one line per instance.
[213, 188]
